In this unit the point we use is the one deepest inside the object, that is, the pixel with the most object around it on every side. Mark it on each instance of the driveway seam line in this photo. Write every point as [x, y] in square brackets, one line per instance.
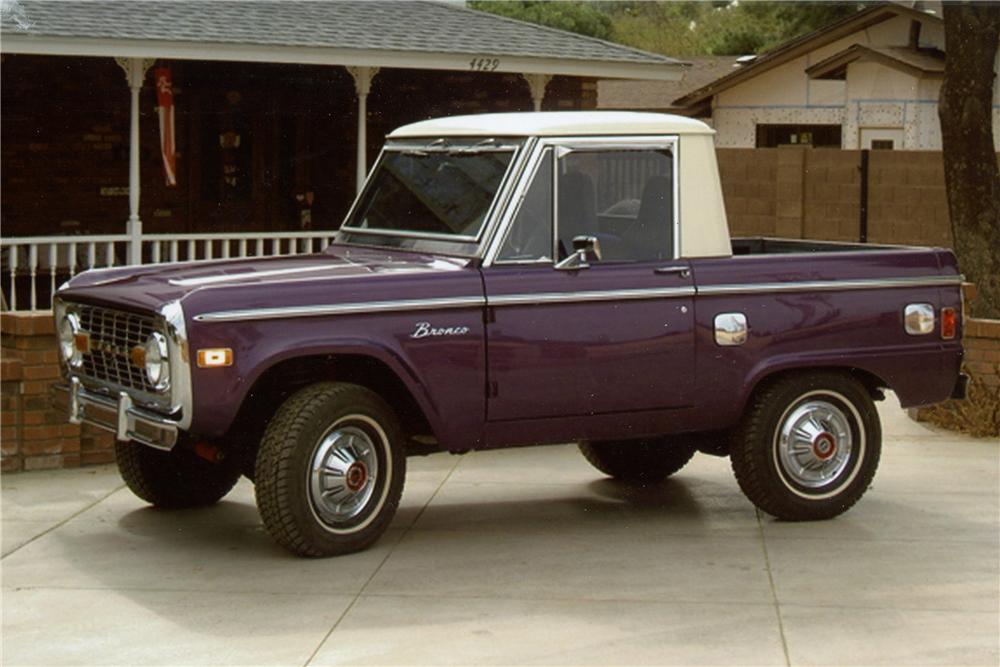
[65, 521]
[378, 569]
[774, 592]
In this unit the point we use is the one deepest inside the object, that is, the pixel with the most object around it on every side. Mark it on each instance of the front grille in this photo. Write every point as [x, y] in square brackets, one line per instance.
[113, 335]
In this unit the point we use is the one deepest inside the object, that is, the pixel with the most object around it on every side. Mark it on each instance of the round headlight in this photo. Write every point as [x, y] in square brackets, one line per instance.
[157, 365]
[69, 327]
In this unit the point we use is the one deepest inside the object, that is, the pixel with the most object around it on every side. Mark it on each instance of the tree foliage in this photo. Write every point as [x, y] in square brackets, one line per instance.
[584, 18]
[681, 28]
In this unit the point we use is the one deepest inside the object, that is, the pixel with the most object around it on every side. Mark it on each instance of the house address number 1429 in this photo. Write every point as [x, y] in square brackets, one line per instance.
[484, 64]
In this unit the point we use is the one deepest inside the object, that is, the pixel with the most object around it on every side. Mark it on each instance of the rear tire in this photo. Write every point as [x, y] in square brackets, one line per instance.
[330, 470]
[808, 446]
[177, 479]
[646, 461]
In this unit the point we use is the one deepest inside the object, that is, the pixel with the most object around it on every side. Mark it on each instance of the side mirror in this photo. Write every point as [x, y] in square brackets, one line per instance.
[585, 249]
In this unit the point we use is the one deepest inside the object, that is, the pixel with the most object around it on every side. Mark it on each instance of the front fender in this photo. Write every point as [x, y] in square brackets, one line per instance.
[445, 376]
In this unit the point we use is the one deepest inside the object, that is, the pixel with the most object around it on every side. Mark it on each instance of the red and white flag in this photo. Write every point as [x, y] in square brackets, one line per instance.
[165, 100]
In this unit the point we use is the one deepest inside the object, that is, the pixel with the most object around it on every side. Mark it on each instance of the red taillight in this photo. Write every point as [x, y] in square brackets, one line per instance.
[949, 323]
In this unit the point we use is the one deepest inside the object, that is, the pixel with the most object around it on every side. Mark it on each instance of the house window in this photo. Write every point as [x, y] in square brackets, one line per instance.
[882, 144]
[770, 136]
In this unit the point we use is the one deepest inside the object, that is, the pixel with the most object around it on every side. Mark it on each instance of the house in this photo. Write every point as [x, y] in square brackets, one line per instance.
[871, 80]
[278, 105]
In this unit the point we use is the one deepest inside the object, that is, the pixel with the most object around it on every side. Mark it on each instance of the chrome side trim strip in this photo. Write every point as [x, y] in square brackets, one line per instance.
[571, 297]
[831, 285]
[341, 309]
[582, 297]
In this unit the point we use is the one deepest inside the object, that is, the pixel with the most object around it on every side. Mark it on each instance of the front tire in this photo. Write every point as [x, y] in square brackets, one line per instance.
[330, 470]
[177, 479]
[646, 461]
[808, 446]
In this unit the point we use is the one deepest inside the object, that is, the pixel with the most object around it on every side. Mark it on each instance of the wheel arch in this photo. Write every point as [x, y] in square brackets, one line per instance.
[872, 383]
[285, 375]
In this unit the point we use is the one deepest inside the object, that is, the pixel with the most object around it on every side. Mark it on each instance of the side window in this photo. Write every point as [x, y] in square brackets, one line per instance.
[530, 235]
[623, 197]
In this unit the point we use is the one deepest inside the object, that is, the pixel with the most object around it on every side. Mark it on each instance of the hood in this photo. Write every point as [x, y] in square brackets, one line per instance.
[251, 280]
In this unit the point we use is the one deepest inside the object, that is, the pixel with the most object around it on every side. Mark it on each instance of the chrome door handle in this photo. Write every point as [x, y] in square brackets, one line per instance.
[682, 271]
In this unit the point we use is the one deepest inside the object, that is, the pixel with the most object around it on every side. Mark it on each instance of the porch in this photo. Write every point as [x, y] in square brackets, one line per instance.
[278, 110]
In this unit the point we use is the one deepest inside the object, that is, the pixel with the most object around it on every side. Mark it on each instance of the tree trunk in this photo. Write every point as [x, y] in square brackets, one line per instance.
[972, 179]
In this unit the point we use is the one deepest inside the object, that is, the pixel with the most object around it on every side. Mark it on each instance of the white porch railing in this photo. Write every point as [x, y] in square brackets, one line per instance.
[33, 267]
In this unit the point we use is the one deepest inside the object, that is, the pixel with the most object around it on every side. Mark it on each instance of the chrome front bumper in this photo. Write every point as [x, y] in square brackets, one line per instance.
[120, 417]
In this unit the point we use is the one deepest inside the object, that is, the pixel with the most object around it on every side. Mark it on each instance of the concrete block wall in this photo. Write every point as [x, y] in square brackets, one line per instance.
[815, 193]
[33, 435]
[750, 190]
[832, 194]
[907, 198]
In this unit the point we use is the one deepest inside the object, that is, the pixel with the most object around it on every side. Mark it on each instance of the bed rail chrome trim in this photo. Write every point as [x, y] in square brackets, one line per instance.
[582, 297]
[341, 309]
[830, 285]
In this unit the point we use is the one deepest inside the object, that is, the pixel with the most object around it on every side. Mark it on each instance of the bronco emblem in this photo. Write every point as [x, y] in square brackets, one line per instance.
[424, 329]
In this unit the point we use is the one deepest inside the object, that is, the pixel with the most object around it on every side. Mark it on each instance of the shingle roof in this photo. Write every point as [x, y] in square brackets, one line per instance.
[385, 25]
[660, 95]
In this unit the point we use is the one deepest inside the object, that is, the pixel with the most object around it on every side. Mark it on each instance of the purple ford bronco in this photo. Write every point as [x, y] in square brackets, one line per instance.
[507, 280]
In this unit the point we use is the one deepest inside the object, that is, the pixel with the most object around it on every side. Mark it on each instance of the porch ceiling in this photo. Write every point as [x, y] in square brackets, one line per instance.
[385, 33]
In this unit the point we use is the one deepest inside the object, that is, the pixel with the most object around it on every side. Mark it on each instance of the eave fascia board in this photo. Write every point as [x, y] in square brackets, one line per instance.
[311, 55]
[859, 52]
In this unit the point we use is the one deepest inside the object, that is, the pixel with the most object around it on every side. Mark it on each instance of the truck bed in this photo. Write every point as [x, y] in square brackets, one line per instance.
[759, 245]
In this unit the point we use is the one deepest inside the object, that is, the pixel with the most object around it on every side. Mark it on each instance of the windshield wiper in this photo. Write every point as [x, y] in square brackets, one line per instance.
[475, 147]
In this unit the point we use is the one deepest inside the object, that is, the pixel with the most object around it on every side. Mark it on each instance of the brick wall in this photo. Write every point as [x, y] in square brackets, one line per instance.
[33, 435]
[979, 413]
[982, 351]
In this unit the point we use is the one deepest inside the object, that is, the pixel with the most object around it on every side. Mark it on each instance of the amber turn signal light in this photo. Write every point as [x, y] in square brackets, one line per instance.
[81, 341]
[215, 357]
[949, 323]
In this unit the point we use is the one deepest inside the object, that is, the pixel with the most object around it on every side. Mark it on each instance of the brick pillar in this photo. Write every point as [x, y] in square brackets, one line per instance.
[10, 414]
[34, 435]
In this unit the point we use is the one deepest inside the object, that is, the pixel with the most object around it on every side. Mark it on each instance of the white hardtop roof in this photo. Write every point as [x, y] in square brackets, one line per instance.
[553, 124]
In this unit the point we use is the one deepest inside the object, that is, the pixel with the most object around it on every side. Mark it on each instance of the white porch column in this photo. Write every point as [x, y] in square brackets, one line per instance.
[362, 86]
[537, 83]
[135, 73]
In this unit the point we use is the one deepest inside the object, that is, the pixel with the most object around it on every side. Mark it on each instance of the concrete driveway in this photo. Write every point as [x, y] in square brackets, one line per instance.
[521, 556]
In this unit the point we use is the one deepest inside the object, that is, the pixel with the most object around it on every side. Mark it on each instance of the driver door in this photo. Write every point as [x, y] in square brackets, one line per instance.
[614, 336]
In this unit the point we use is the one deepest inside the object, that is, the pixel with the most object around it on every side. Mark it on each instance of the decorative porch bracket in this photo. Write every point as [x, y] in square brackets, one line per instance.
[362, 86]
[135, 73]
[537, 83]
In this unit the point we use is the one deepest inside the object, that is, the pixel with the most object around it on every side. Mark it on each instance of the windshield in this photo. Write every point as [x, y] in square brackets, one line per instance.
[438, 191]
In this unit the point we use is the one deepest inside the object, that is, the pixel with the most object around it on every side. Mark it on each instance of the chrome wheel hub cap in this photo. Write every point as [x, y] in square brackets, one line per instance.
[814, 443]
[343, 474]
